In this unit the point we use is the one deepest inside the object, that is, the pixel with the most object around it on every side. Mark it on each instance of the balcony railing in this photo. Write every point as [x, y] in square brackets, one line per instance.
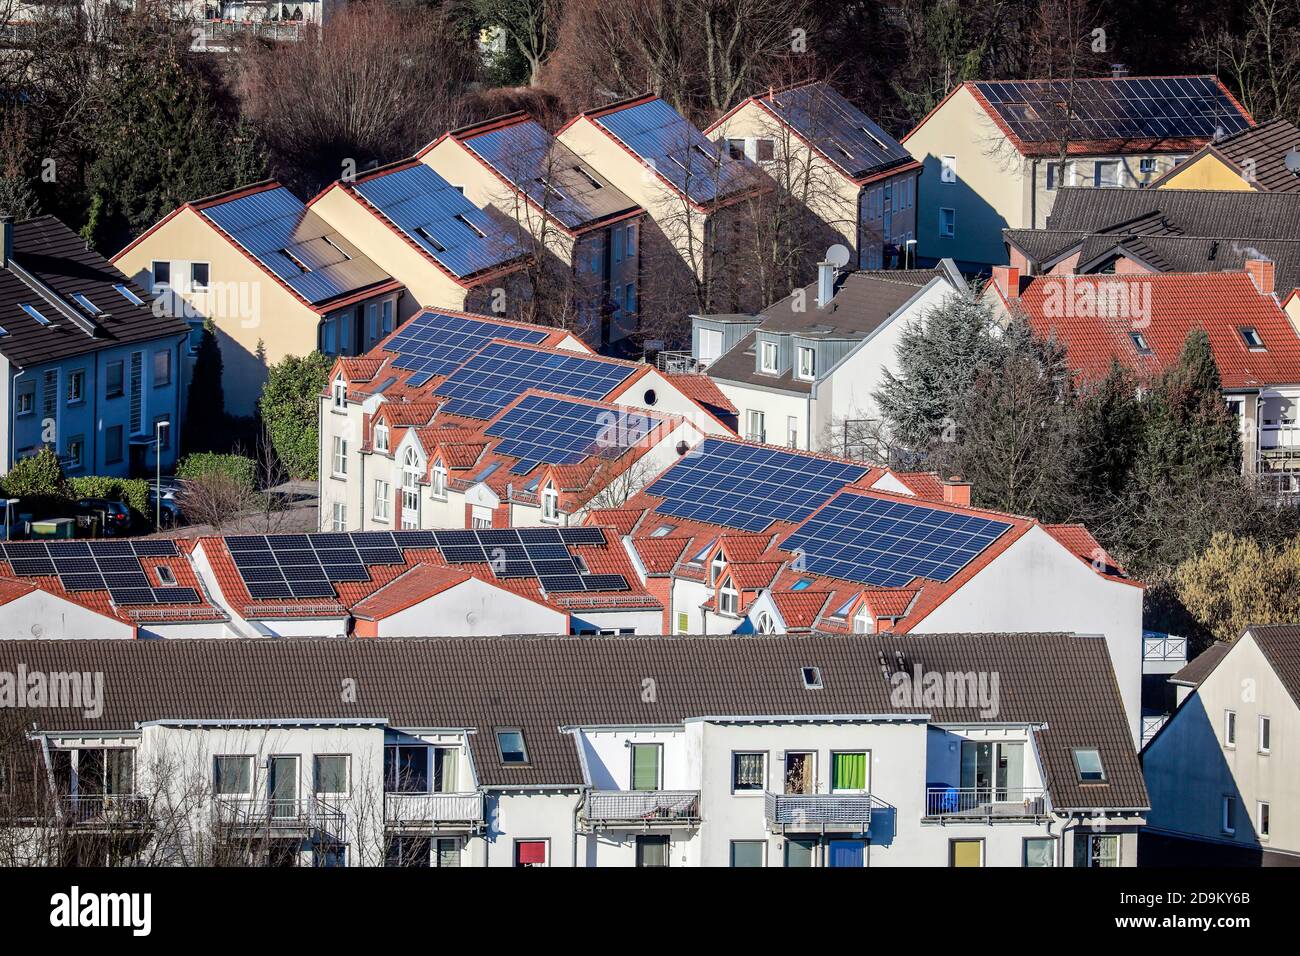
[957, 803]
[263, 29]
[253, 813]
[1164, 648]
[819, 810]
[1151, 724]
[638, 808]
[433, 809]
[108, 810]
[679, 363]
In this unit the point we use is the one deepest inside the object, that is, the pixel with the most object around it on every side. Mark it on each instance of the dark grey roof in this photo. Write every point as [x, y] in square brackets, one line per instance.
[1281, 645]
[1266, 146]
[541, 684]
[1220, 213]
[58, 263]
[1199, 667]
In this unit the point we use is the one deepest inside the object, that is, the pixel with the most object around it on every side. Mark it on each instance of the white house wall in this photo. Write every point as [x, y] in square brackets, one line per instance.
[474, 608]
[40, 615]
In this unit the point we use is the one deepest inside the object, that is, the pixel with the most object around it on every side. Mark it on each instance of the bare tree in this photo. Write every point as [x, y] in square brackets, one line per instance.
[1263, 62]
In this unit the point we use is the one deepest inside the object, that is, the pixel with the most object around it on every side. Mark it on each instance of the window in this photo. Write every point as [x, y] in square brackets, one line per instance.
[1140, 343]
[807, 363]
[25, 402]
[1096, 850]
[232, 775]
[947, 169]
[768, 358]
[765, 150]
[1252, 338]
[1088, 763]
[406, 769]
[113, 445]
[381, 437]
[162, 368]
[652, 851]
[115, 380]
[864, 622]
[1265, 734]
[756, 425]
[801, 852]
[765, 623]
[550, 503]
[812, 678]
[792, 431]
[126, 293]
[947, 223]
[198, 276]
[683, 622]
[510, 743]
[196, 337]
[86, 304]
[386, 314]
[1106, 174]
[340, 458]
[531, 852]
[34, 313]
[1229, 815]
[439, 484]
[383, 500]
[748, 853]
[736, 148]
[331, 774]
[800, 772]
[1265, 823]
[161, 273]
[966, 853]
[617, 238]
[165, 576]
[849, 772]
[1055, 175]
[710, 345]
[76, 386]
[76, 450]
[1039, 851]
[728, 599]
[1230, 729]
[629, 298]
[411, 851]
[340, 516]
[748, 772]
[646, 766]
[340, 392]
[1147, 164]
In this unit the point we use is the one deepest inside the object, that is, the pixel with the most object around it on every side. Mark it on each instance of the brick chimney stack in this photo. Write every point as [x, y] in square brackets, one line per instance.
[1007, 279]
[956, 491]
[1261, 273]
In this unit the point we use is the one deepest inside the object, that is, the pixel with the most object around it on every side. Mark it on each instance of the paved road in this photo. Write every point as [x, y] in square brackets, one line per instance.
[299, 514]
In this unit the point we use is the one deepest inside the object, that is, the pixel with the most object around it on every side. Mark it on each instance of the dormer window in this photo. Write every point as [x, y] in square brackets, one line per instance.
[864, 622]
[550, 503]
[807, 363]
[1251, 337]
[381, 436]
[715, 567]
[728, 599]
[703, 553]
[767, 358]
[842, 611]
[340, 393]
[411, 489]
[1140, 343]
[438, 483]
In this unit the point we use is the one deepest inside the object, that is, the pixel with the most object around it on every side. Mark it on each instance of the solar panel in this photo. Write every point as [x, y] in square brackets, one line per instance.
[93, 565]
[154, 549]
[605, 582]
[499, 373]
[540, 553]
[435, 344]
[26, 549]
[30, 567]
[82, 582]
[748, 486]
[887, 543]
[110, 548]
[414, 539]
[307, 565]
[839, 129]
[565, 582]
[582, 535]
[131, 595]
[551, 430]
[175, 595]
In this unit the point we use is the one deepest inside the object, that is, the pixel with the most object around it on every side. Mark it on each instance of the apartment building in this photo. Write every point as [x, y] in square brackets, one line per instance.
[274, 279]
[422, 230]
[467, 421]
[1222, 770]
[1263, 158]
[855, 178]
[743, 538]
[586, 224]
[87, 367]
[803, 373]
[995, 153]
[562, 752]
[1142, 321]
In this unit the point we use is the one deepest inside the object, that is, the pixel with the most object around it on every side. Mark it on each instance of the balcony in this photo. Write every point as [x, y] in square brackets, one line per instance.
[274, 30]
[115, 810]
[642, 808]
[1164, 648]
[434, 811]
[679, 363]
[1151, 724]
[277, 817]
[819, 811]
[954, 804]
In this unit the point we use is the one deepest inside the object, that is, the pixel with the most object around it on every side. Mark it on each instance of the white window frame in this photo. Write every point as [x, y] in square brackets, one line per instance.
[76, 387]
[830, 771]
[948, 170]
[762, 786]
[728, 598]
[1230, 729]
[1265, 728]
[864, 622]
[766, 350]
[381, 436]
[340, 392]
[808, 371]
[550, 504]
[195, 286]
[1097, 178]
[1227, 814]
[754, 417]
[154, 284]
[792, 431]
[1263, 819]
[438, 482]
[411, 490]
[716, 567]
[339, 462]
[339, 517]
[383, 500]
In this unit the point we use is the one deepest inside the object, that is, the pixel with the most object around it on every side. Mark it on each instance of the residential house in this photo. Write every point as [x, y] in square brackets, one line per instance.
[1142, 322]
[447, 251]
[740, 538]
[996, 152]
[1222, 770]
[274, 279]
[423, 432]
[856, 178]
[606, 751]
[87, 366]
[572, 214]
[803, 373]
[1263, 158]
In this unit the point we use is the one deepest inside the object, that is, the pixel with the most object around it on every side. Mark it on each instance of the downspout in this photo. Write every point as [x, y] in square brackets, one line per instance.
[1065, 825]
[577, 809]
[13, 416]
[1033, 195]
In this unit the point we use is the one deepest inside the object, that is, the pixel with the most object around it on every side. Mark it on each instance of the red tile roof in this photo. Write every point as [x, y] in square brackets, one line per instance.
[417, 584]
[1164, 308]
[800, 609]
[702, 389]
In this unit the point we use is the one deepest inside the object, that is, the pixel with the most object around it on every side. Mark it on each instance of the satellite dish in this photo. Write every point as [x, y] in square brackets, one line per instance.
[838, 256]
[1293, 161]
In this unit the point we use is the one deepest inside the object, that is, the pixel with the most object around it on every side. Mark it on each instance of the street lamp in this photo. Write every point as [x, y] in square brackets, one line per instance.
[157, 487]
[909, 257]
[9, 503]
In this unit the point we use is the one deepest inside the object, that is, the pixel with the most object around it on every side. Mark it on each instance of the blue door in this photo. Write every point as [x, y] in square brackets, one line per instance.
[844, 853]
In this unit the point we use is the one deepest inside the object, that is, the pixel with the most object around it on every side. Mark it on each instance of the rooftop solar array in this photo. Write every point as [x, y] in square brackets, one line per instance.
[1176, 107]
[887, 543]
[838, 128]
[437, 217]
[434, 344]
[499, 373]
[296, 245]
[748, 486]
[679, 152]
[548, 430]
[112, 566]
[541, 553]
[274, 566]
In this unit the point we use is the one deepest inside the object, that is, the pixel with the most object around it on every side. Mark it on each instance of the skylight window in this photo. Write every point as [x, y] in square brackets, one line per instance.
[1140, 343]
[34, 314]
[595, 183]
[470, 226]
[843, 610]
[843, 151]
[1087, 760]
[165, 575]
[86, 304]
[801, 584]
[302, 266]
[662, 530]
[336, 247]
[1251, 337]
[487, 471]
[510, 743]
[3, 330]
[550, 188]
[812, 678]
[704, 551]
[127, 294]
[428, 237]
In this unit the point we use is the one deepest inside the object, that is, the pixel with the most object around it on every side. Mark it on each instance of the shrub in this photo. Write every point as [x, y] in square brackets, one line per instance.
[135, 492]
[290, 406]
[1236, 581]
[38, 476]
[238, 469]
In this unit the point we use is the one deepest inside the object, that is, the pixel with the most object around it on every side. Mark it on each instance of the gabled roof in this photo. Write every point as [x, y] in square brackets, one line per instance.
[1280, 644]
[1217, 213]
[1200, 666]
[1061, 684]
[1108, 115]
[1259, 151]
[1170, 306]
[49, 267]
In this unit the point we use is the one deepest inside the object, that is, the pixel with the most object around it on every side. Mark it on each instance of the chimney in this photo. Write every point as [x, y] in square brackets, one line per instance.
[1259, 270]
[956, 491]
[6, 239]
[1007, 279]
[1118, 70]
[825, 283]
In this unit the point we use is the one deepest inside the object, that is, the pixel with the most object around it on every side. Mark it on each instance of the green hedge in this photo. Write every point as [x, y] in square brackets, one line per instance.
[202, 464]
[137, 493]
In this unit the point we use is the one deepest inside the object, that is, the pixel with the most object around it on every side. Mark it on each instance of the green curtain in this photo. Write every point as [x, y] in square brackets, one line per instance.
[645, 766]
[850, 772]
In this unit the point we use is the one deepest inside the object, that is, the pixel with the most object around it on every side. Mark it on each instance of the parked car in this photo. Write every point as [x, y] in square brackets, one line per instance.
[170, 511]
[116, 516]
